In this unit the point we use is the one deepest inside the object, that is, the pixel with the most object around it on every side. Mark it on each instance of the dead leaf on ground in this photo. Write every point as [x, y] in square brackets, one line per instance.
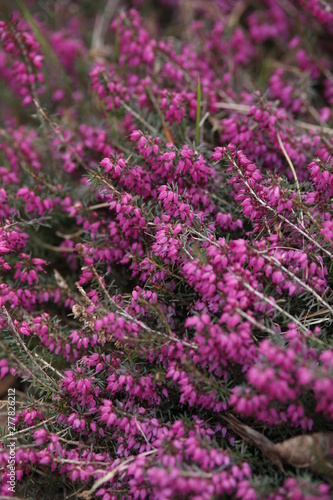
[314, 451]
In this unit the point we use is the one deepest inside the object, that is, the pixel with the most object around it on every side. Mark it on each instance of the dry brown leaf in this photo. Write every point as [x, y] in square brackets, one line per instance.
[314, 451]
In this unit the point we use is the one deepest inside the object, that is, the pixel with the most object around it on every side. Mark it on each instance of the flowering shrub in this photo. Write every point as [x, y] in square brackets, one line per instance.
[166, 249]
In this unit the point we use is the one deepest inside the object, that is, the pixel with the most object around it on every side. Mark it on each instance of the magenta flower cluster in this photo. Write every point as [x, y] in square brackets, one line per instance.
[166, 248]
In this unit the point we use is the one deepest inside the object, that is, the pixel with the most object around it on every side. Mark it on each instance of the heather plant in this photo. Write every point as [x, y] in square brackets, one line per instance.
[166, 249]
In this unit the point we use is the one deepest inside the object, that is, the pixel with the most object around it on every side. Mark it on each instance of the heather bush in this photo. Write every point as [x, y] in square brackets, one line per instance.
[166, 248]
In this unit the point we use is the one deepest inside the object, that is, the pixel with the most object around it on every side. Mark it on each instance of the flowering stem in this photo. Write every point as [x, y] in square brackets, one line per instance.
[276, 213]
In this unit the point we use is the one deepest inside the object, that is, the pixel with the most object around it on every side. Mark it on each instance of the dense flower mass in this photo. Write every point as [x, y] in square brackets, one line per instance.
[166, 249]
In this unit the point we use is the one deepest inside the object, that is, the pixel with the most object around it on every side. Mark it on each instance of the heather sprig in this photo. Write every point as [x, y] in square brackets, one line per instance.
[166, 250]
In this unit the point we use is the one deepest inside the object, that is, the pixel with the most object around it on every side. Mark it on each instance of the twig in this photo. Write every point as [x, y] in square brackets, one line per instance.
[255, 323]
[100, 205]
[45, 363]
[292, 168]
[244, 109]
[272, 303]
[316, 128]
[278, 264]
[313, 315]
[102, 23]
[55, 248]
[110, 475]
[138, 117]
[233, 106]
[24, 431]
[10, 498]
[70, 236]
[143, 434]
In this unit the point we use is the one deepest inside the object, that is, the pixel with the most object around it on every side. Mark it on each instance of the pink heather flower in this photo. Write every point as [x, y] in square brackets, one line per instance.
[172, 280]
